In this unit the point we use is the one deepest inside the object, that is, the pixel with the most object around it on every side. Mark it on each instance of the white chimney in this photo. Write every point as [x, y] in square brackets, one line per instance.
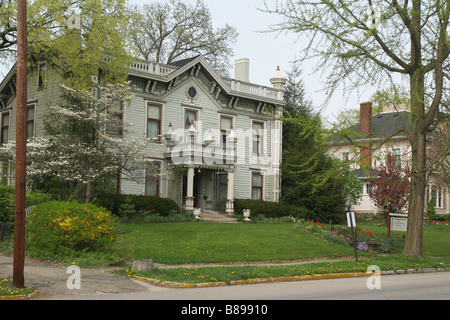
[242, 70]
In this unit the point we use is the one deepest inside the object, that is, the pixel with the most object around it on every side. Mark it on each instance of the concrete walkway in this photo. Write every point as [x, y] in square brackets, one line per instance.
[50, 280]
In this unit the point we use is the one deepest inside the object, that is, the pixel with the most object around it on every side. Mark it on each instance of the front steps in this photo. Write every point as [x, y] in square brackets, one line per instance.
[213, 216]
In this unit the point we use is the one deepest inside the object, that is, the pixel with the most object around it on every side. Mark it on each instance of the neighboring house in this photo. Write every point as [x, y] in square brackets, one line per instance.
[371, 132]
[212, 139]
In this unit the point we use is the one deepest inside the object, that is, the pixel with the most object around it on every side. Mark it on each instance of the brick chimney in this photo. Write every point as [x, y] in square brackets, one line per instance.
[366, 130]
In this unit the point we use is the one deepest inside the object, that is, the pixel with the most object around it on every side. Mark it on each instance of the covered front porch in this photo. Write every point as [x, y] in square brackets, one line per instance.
[208, 170]
[208, 188]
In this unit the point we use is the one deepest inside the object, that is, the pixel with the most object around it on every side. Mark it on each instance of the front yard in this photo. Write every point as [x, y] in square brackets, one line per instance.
[230, 244]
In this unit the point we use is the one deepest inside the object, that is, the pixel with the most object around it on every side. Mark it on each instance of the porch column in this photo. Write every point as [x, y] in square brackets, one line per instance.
[230, 192]
[277, 139]
[190, 190]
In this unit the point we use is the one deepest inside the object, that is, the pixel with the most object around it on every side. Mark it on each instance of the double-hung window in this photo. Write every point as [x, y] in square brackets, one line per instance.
[115, 119]
[154, 118]
[30, 120]
[226, 125]
[4, 133]
[258, 137]
[435, 196]
[257, 186]
[152, 179]
[42, 76]
[190, 118]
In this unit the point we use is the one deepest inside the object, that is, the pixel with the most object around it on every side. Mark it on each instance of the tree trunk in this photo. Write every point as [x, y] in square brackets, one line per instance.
[414, 235]
[88, 191]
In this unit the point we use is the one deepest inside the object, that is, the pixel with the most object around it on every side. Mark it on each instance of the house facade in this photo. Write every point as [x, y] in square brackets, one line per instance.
[372, 131]
[210, 139]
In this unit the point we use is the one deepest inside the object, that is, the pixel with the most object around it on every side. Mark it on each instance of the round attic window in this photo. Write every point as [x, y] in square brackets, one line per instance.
[192, 92]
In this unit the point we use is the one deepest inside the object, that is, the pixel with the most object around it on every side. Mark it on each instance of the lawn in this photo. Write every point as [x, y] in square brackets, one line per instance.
[181, 243]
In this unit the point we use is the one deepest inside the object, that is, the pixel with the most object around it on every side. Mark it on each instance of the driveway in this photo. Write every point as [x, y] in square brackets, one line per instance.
[50, 281]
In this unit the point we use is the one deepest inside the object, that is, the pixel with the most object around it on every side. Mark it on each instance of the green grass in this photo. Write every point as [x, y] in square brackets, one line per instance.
[227, 243]
[227, 274]
[7, 289]
[183, 243]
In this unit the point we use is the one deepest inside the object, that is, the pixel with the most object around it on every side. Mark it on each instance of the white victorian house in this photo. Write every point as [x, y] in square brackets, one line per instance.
[212, 139]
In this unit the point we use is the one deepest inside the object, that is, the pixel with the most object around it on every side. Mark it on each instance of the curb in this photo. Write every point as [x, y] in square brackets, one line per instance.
[18, 297]
[179, 285]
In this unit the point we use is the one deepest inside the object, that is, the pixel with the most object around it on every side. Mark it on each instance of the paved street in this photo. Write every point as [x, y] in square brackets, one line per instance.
[420, 286]
[51, 283]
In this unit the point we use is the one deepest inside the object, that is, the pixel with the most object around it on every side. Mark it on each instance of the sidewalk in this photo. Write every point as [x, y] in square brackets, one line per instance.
[50, 281]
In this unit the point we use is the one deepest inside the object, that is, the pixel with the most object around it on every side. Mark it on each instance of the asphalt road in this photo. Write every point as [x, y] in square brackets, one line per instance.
[51, 283]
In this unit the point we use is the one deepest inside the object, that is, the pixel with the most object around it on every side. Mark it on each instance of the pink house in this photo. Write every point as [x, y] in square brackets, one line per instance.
[382, 134]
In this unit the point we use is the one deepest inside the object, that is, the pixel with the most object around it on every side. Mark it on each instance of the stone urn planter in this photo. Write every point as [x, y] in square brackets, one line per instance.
[247, 214]
[197, 213]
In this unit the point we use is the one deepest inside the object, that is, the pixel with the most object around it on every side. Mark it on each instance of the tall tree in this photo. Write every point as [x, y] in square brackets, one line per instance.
[76, 37]
[311, 178]
[166, 32]
[369, 42]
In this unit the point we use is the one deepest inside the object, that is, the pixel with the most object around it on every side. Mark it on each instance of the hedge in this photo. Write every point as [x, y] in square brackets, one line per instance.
[7, 199]
[270, 209]
[123, 205]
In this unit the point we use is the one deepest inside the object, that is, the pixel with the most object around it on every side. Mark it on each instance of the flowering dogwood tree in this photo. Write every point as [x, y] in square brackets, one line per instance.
[391, 186]
[86, 139]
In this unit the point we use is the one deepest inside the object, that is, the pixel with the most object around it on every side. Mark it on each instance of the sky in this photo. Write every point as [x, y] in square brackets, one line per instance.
[267, 51]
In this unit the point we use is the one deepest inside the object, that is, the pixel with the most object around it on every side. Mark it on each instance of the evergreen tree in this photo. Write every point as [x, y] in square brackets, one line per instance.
[311, 178]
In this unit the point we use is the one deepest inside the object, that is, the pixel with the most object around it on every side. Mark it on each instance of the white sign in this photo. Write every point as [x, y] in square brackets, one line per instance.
[351, 215]
[398, 223]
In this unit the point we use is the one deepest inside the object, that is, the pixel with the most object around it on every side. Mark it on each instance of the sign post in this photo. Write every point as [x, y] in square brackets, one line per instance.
[352, 223]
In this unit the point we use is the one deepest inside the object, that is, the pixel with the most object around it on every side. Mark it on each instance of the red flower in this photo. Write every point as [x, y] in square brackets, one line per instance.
[369, 233]
[398, 234]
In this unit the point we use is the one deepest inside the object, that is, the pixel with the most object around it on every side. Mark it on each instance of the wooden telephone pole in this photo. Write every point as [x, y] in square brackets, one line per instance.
[21, 140]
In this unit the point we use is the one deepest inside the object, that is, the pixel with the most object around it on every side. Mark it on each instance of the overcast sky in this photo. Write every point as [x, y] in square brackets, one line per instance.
[266, 51]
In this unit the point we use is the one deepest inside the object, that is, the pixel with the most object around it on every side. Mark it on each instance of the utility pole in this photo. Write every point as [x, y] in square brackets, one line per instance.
[21, 141]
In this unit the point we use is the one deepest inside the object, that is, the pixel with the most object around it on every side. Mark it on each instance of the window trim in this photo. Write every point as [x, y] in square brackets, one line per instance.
[31, 106]
[224, 132]
[156, 178]
[121, 113]
[160, 106]
[42, 77]
[439, 200]
[261, 142]
[254, 173]
[2, 115]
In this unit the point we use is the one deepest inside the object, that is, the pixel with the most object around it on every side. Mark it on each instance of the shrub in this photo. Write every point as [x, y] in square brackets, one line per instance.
[7, 196]
[126, 204]
[270, 209]
[59, 228]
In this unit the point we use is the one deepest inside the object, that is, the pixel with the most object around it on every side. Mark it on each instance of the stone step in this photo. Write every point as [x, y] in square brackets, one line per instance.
[213, 216]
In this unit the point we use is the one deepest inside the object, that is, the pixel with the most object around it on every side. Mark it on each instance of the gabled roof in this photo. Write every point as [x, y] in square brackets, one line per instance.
[228, 86]
[181, 63]
[383, 125]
